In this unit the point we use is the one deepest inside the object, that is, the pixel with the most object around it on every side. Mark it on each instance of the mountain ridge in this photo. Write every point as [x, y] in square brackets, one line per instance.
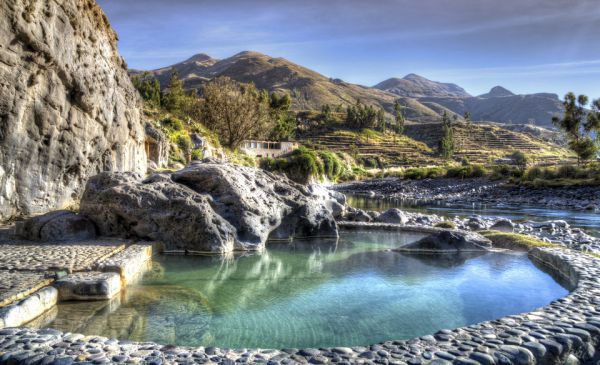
[423, 100]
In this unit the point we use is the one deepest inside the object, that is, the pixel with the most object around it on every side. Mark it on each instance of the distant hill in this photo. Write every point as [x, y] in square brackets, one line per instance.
[424, 100]
[498, 105]
[415, 86]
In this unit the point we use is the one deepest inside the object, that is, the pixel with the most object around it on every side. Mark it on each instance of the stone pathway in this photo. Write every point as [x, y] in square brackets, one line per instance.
[70, 257]
[17, 285]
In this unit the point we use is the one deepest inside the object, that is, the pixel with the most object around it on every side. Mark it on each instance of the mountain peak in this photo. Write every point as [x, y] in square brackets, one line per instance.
[200, 57]
[497, 92]
[413, 85]
[415, 77]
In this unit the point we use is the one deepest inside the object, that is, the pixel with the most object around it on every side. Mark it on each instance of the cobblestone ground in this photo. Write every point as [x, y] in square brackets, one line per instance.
[15, 285]
[27, 256]
[28, 266]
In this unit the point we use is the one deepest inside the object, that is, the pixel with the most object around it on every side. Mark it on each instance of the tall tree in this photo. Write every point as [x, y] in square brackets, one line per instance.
[236, 112]
[399, 117]
[467, 117]
[174, 96]
[581, 129]
[446, 145]
[381, 122]
[149, 88]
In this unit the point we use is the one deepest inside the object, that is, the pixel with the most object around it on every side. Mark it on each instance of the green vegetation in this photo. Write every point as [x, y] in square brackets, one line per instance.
[514, 240]
[582, 128]
[445, 224]
[305, 164]
[446, 147]
[236, 112]
[399, 118]
[362, 116]
[467, 171]
[561, 176]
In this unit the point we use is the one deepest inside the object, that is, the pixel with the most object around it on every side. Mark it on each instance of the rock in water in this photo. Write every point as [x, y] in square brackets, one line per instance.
[67, 107]
[449, 241]
[206, 207]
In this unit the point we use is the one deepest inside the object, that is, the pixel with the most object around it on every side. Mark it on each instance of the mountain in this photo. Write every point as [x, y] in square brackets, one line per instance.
[498, 105]
[309, 89]
[423, 100]
[502, 106]
[497, 92]
[415, 86]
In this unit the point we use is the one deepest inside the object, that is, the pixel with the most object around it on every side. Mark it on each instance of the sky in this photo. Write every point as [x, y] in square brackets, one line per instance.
[526, 46]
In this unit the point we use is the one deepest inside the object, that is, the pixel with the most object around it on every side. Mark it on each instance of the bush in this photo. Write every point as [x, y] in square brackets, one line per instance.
[172, 124]
[197, 154]
[445, 224]
[333, 166]
[505, 171]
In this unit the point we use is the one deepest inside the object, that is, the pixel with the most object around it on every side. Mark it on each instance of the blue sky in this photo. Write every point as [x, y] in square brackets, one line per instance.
[524, 45]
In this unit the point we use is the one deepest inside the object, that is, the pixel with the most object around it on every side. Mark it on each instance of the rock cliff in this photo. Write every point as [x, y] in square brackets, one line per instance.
[67, 107]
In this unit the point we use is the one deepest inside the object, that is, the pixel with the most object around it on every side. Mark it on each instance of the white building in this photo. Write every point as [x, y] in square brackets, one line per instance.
[268, 148]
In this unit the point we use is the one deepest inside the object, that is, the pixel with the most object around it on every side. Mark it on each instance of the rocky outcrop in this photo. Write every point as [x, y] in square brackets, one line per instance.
[61, 225]
[67, 107]
[206, 207]
[449, 241]
[157, 147]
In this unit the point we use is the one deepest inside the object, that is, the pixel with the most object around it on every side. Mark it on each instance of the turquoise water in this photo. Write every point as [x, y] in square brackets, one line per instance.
[314, 294]
[589, 221]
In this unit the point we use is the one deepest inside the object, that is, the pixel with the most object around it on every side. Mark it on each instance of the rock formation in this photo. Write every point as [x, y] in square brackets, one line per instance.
[449, 241]
[67, 107]
[206, 207]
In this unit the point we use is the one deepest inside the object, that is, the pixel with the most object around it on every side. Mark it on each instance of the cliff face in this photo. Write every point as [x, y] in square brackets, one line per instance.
[67, 107]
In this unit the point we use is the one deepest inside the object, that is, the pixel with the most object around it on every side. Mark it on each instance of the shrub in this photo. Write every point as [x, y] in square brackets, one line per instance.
[172, 124]
[445, 224]
[479, 171]
[197, 154]
[332, 165]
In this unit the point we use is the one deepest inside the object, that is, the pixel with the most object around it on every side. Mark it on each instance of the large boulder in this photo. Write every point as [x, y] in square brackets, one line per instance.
[206, 207]
[68, 109]
[393, 215]
[449, 241]
[61, 225]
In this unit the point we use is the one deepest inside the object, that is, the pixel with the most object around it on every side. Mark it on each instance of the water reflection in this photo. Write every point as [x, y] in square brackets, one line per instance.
[311, 293]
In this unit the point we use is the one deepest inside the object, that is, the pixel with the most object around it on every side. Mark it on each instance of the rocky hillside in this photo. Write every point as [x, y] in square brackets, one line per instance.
[67, 107]
[309, 89]
[499, 105]
[424, 100]
[415, 86]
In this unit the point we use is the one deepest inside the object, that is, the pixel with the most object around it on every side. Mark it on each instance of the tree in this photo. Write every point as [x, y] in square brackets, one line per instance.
[326, 115]
[285, 122]
[236, 112]
[361, 116]
[579, 126]
[467, 117]
[447, 142]
[381, 122]
[399, 117]
[174, 96]
[519, 159]
[148, 87]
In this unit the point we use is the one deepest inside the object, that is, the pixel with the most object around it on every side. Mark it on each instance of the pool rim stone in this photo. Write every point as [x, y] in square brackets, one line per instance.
[565, 330]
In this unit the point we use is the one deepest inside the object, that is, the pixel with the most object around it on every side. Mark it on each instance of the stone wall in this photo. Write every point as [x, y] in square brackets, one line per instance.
[566, 331]
[67, 107]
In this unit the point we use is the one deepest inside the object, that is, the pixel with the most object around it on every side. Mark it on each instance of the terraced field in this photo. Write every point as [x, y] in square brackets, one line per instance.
[479, 143]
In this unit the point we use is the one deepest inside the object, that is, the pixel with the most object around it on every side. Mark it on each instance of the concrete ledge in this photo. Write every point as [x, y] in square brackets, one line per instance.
[88, 286]
[28, 309]
[129, 263]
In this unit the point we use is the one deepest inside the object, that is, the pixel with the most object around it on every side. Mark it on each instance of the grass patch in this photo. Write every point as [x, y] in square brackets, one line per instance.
[514, 240]
[445, 224]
